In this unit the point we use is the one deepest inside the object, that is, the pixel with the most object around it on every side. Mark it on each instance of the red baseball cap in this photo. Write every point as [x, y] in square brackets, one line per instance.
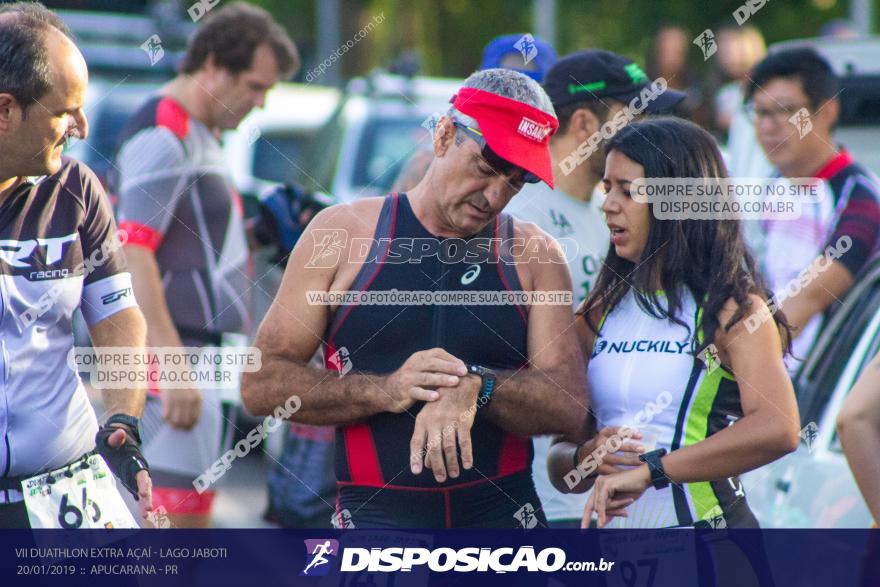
[517, 132]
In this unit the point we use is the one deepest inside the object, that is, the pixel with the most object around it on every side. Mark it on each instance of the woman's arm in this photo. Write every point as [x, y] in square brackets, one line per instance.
[770, 425]
[858, 426]
[769, 428]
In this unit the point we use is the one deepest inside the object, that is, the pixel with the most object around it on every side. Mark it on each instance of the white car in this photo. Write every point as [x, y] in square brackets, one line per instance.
[270, 145]
[379, 124]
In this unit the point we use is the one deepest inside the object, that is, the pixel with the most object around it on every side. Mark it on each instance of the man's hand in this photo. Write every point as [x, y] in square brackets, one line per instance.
[420, 376]
[601, 445]
[122, 453]
[440, 424]
[181, 407]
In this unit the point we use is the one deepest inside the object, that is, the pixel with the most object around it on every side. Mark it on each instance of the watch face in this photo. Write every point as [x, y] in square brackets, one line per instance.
[476, 370]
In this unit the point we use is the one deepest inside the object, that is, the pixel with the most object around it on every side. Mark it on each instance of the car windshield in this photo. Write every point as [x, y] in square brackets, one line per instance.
[386, 145]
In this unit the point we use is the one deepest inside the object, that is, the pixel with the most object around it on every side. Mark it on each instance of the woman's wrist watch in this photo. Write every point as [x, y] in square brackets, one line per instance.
[658, 476]
[488, 387]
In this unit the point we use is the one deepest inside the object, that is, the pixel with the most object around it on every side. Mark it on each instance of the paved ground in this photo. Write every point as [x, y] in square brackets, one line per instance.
[242, 495]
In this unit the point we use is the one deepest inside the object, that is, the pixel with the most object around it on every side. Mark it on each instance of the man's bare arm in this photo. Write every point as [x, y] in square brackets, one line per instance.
[180, 407]
[125, 328]
[550, 396]
[829, 286]
[293, 330]
[128, 329]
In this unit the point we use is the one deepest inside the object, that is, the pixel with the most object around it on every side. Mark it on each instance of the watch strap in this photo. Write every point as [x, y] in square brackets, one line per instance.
[655, 466]
[487, 389]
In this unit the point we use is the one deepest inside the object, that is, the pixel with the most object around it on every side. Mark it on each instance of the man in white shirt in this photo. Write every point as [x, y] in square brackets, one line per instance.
[590, 90]
[811, 262]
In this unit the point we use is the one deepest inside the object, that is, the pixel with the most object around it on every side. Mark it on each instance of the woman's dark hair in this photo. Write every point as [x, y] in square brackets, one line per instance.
[708, 257]
[232, 33]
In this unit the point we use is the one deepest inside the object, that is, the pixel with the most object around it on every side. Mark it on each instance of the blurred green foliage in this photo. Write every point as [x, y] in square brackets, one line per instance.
[449, 35]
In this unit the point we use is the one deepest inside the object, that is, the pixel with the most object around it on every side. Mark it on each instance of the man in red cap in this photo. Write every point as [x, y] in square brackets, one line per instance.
[445, 327]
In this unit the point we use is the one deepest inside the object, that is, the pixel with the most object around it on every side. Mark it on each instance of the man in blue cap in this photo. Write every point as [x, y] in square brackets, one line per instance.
[523, 53]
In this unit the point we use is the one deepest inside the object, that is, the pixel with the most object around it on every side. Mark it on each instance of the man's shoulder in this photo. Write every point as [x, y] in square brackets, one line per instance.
[68, 193]
[157, 112]
[357, 217]
[73, 169]
[859, 178]
[847, 177]
[75, 178]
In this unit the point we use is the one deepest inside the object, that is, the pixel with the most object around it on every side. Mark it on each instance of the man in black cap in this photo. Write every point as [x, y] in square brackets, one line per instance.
[594, 93]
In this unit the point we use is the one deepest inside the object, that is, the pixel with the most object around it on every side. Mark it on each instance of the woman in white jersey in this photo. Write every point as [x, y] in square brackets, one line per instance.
[681, 365]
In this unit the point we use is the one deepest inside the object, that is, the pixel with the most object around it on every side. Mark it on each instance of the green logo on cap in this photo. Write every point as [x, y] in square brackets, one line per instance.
[574, 89]
[635, 73]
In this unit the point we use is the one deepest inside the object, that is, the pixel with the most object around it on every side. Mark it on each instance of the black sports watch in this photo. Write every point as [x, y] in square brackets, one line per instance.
[658, 476]
[488, 388]
[132, 423]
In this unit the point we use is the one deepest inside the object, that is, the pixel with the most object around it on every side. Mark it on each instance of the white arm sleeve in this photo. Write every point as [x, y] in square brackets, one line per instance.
[105, 297]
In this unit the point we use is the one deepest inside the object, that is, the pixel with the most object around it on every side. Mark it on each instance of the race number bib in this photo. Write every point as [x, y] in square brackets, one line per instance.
[649, 559]
[78, 498]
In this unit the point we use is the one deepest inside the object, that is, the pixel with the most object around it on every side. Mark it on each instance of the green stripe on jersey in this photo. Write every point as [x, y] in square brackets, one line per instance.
[697, 426]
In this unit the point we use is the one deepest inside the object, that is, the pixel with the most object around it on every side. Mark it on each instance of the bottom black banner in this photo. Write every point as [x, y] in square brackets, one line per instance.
[350, 558]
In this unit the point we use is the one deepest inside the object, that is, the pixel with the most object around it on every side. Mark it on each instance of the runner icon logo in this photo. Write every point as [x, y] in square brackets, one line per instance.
[526, 516]
[153, 48]
[801, 121]
[342, 520]
[329, 244]
[340, 361]
[318, 554]
[706, 42]
[808, 434]
[526, 46]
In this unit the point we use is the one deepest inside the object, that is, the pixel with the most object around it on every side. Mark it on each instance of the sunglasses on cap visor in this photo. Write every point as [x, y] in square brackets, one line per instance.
[496, 162]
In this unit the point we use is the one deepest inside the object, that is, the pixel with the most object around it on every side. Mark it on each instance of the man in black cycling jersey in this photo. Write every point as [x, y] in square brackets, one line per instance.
[58, 251]
[432, 372]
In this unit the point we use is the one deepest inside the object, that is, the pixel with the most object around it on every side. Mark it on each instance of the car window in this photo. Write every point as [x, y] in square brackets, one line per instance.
[385, 145]
[278, 157]
[814, 389]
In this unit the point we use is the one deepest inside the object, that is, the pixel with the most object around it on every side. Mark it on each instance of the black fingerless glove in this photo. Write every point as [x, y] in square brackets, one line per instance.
[127, 460]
